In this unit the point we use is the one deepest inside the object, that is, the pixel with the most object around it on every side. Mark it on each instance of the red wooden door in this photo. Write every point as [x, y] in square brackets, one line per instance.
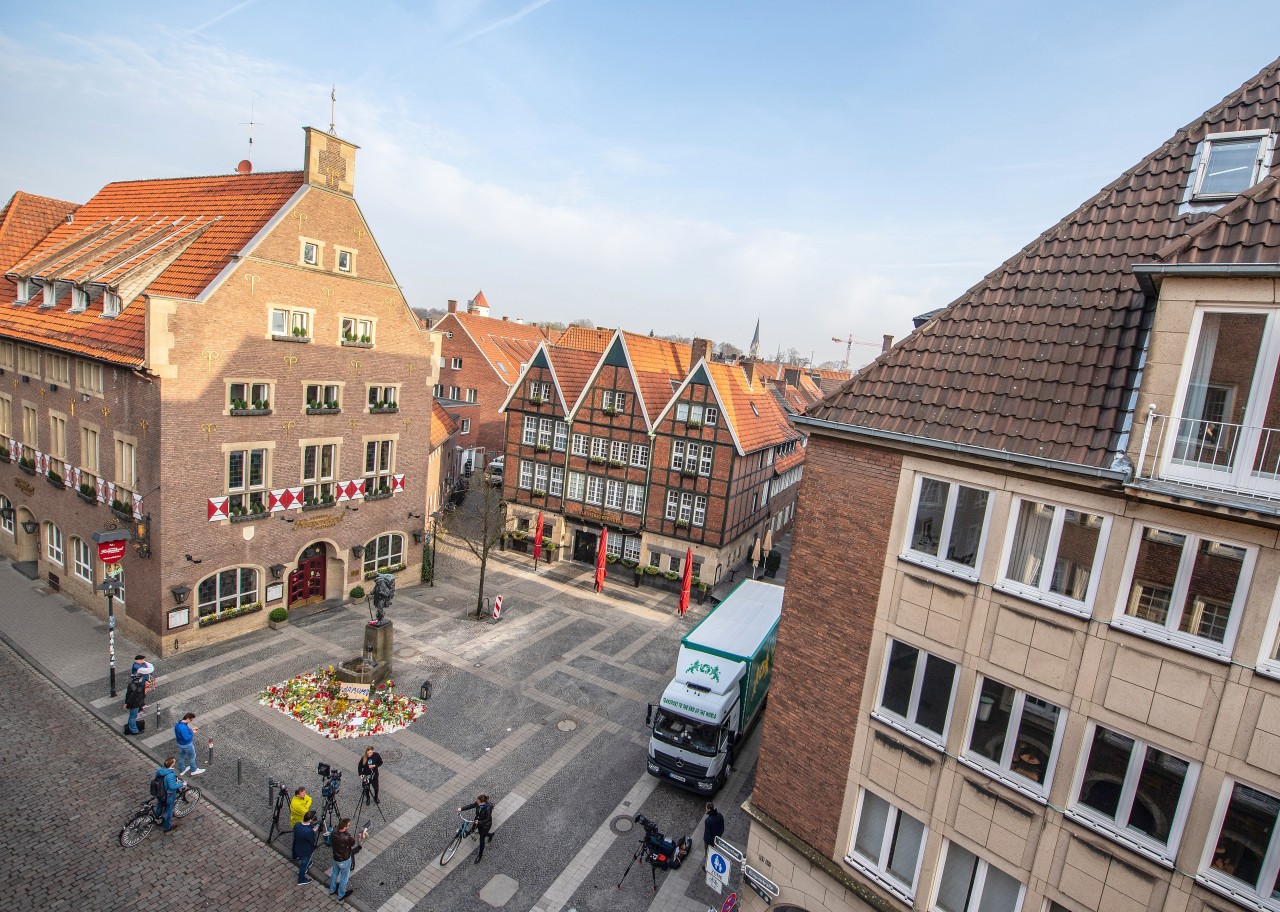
[306, 584]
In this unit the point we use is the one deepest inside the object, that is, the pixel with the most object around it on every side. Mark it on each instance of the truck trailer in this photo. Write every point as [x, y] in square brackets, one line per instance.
[721, 681]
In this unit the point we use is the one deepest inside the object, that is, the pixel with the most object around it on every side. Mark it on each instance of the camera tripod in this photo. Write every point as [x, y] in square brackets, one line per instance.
[642, 854]
[366, 799]
[281, 797]
[329, 813]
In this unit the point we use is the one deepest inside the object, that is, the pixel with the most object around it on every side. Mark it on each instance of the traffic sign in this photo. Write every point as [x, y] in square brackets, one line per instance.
[718, 864]
[497, 608]
[730, 903]
[714, 882]
[110, 552]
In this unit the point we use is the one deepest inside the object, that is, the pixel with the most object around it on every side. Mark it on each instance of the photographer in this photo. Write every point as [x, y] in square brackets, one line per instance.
[299, 806]
[368, 770]
[304, 844]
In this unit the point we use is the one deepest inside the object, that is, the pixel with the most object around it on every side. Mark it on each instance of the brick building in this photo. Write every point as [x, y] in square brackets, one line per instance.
[480, 358]
[666, 448]
[225, 367]
[1049, 671]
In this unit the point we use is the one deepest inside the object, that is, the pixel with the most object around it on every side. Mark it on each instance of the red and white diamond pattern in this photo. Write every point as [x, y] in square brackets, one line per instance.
[218, 509]
[277, 501]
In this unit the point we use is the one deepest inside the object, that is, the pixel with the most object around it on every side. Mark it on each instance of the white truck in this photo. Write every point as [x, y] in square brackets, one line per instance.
[721, 681]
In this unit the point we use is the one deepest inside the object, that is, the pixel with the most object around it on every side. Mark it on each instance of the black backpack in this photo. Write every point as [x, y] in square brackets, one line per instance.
[157, 787]
[136, 691]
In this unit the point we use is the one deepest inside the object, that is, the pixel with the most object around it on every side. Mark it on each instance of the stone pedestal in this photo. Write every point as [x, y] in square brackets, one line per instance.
[378, 642]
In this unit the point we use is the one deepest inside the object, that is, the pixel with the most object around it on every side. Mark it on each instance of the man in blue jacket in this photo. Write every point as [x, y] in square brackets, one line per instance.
[185, 734]
[170, 790]
[304, 844]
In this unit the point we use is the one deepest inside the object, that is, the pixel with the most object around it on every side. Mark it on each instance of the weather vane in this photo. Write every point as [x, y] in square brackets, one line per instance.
[333, 101]
[246, 166]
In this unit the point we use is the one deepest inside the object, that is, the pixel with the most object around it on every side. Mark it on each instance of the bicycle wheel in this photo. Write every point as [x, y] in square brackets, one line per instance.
[187, 799]
[137, 829]
[451, 848]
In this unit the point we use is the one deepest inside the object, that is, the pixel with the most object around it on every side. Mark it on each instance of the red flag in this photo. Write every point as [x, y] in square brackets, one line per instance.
[600, 571]
[537, 539]
[686, 582]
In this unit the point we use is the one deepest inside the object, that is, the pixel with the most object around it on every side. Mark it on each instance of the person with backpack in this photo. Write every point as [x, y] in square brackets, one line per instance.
[184, 732]
[164, 787]
[135, 697]
[484, 819]
[304, 844]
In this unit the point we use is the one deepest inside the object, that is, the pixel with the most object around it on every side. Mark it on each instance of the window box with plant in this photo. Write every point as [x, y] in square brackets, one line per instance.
[596, 460]
[382, 492]
[689, 471]
[385, 408]
[351, 340]
[610, 411]
[87, 493]
[4, 454]
[611, 559]
[538, 492]
[373, 574]
[542, 448]
[536, 400]
[671, 575]
[315, 407]
[628, 562]
[279, 617]
[682, 523]
[54, 478]
[122, 509]
[239, 407]
[255, 511]
[693, 423]
[617, 464]
[27, 464]
[230, 614]
[318, 503]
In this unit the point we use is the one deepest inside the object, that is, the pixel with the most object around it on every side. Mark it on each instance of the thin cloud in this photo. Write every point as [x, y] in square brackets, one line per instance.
[218, 18]
[500, 23]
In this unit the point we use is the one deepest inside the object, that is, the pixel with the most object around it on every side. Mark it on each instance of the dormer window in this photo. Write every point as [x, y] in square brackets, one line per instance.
[1230, 163]
[24, 291]
[110, 304]
[79, 300]
[50, 295]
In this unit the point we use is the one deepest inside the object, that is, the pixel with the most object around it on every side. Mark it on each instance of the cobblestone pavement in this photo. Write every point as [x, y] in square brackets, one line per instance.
[543, 710]
[69, 783]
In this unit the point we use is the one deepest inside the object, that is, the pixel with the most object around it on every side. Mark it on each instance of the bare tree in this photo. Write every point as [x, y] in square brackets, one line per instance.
[583, 322]
[728, 351]
[431, 314]
[479, 522]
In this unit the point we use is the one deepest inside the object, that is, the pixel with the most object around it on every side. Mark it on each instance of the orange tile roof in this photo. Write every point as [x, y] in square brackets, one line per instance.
[129, 228]
[505, 344]
[757, 427]
[580, 337]
[573, 368]
[443, 426]
[25, 221]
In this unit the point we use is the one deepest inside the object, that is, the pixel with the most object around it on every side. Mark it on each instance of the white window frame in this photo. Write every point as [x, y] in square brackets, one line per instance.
[1003, 769]
[1261, 163]
[384, 552]
[529, 434]
[1228, 885]
[682, 411]
[673, 505]
[704, 464]
[634, 502]
[699, 510]
[561, 438]
[677, 455]
[712, 416]
[613, 494]
[55, 545]
[1041, 593]
[321, 482]
[455, 363]
[1169, 632]
[465, 426]
[1134, 839]
[360, 327]
[540, 477]
[82, 560]
[595, 490]
[978, 885]
[599, 448]
[7, 523]
[581, 445]
[618, 451]
[349, 257]
[878, 868]
[640, 455]
[908, 724]
[292, 318]
[312, 248]
[944, 535]
[577, 486]
[526, 475]
[545, 429]
[556, 488]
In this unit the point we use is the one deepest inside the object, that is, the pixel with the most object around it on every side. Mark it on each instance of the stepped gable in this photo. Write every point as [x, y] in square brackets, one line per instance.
[1039, 358]
[158, 237]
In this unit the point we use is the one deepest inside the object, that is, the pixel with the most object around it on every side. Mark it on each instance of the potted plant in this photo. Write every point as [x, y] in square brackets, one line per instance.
[27, 464]
[122, 509]
[772, 562]
[538, 492]
[550, 551]
[53, 477]
[279, 617]
[542, 448]
[611, 559]
[682, 523]
[299, 332]
[4, 454]
[356, 593]
[87, 492]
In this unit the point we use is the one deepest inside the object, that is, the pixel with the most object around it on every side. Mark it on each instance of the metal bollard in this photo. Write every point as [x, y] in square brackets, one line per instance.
[159, 716]
[210, 760]
[239, 770]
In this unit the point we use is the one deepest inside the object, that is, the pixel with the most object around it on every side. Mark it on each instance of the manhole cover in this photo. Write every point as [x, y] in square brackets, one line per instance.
[566, 725]
[622, 823]
[439, 598]
[391, 756]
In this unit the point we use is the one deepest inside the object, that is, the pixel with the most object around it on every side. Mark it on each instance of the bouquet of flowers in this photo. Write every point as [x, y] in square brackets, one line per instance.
[315, 700]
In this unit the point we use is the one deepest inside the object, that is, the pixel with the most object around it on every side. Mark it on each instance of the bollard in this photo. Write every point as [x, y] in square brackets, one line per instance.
[210, 760]
[271, 791]
[239, 770]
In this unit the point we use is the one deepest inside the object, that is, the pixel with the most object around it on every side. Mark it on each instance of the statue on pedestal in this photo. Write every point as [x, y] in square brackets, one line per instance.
[384, 590]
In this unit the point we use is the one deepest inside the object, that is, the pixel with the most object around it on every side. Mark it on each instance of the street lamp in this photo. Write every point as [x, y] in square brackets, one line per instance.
[111, 547]
[29, 526]
[180, 593]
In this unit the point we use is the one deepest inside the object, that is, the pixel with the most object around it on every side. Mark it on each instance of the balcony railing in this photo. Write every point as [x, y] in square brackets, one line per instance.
[1214, 455]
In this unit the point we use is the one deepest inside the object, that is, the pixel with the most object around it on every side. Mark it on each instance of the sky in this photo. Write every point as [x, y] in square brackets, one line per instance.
[829, 168]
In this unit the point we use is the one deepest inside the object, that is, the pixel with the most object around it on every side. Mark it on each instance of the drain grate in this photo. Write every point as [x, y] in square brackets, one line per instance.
[566, 725]
[392, 756]
[622, 823]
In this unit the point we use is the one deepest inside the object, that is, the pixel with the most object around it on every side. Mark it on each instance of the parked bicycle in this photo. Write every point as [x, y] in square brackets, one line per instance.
[467, 828]
[151, 813]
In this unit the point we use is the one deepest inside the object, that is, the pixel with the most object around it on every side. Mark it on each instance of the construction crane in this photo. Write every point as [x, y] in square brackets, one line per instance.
[849, 343]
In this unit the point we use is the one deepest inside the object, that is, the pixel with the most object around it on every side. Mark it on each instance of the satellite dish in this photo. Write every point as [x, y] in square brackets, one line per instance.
[245, 167]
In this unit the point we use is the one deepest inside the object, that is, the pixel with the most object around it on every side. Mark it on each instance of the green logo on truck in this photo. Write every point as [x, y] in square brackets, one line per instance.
[712, 671]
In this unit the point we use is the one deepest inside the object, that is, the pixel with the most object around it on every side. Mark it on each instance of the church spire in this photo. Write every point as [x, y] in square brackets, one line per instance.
[754, 351]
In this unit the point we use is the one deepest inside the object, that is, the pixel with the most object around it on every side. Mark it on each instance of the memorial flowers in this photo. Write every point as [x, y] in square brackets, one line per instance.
[315, 699]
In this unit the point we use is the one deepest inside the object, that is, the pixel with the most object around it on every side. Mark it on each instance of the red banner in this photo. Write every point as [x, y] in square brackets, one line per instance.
[537, 539]
[686, 582]
[600, 571]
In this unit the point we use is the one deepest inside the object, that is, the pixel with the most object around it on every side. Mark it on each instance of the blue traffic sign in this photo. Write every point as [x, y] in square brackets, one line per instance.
[719, 864]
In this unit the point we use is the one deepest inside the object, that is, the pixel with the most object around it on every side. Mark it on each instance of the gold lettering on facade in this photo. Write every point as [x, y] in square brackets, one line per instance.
[355, 365]
[208, 431]
[42, 392]
[361, 234]
[253, 281]
[320, 522]
[209, 357]
[328, 294]
[286, 426]
[143, 425]
[354, 422]
[72, 400]
[290, 361]
[106, 412]
[302, 217]
[23, 487]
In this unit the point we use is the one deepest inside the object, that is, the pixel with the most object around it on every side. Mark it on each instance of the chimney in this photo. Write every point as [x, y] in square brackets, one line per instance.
[791, 375]
[701, 350]
[888, 344]
[749, 368]
[330, 162]
[453, 307]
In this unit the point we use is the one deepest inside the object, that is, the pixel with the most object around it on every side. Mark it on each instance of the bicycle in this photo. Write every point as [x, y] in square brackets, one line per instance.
[468, 827]
[151, 812]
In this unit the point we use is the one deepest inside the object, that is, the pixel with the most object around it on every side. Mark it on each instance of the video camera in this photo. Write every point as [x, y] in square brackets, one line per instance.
[650, 828]
[332, 777]
[663, 852]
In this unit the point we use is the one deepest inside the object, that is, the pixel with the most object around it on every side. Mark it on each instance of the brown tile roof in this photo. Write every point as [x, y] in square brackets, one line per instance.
[170, 237]
[572, 368]
[1039, 358]
[25, 221]
[505, 344]
[1244, 231]
[443, 426]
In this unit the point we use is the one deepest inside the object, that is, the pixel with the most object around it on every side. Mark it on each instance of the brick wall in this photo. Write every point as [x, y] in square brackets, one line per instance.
[487, 422]
[826, 629]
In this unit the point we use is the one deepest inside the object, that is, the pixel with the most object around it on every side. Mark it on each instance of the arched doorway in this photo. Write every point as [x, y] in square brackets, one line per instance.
[306, 584]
